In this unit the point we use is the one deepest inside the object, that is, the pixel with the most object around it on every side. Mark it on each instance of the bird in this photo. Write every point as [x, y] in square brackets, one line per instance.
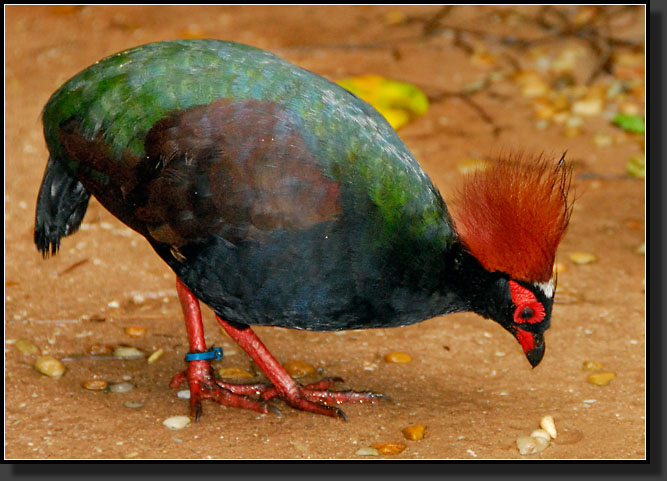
[278, 198]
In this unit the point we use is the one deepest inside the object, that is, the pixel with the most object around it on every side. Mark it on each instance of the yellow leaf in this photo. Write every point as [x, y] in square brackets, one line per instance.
[398, 102]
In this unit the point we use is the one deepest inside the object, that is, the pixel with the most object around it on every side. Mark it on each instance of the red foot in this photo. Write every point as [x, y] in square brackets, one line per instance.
[203, 385]
[313, 397]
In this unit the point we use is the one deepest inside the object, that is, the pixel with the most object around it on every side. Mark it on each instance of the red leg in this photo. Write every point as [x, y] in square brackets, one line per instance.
[307, 398]
[199, 374]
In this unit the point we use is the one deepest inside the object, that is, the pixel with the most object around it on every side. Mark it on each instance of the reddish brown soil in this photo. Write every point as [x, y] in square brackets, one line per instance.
[468, 382]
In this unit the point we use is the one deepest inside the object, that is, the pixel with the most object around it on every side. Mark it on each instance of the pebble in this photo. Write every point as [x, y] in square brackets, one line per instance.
[176, 422]
[592, 366]
[548, 424]
[95, 385]
[540, 433]
[367, 452]
[155, 356]
[531, 445]
[588, 107]
[25, 346]
[601, 378]
[390, 448]
[234, 373]
[121, 387]
[298, 368]
[398, 357]
[414, 432]
[50, 366]
[127, 352]
[583, 258]
[135, 331]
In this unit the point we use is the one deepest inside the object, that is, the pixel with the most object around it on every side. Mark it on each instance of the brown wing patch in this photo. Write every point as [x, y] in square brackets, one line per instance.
[238, 169]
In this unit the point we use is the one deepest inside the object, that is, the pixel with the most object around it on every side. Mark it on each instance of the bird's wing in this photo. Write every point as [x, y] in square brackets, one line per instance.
[238, 169]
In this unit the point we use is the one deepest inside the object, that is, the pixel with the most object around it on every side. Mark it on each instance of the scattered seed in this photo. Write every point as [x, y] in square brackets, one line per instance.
[114, 304]
[233, 373]
[540, 433]
[587, 107]
[583, 257]
[601, 378]
[155, 356]
[128, 352]
[367, 452]
[531, 445]
[390, 448]
[592, 365]
[138, 299]
[121, 387]
[25, 346]
[559, 268]
[100, 349]
[370, 366]
[548, 424]
[398, 357]
[133, 405]
[184, 394]
[298, 368]
[471, 165]
[95, 385]
[414, 432]
[135, 331]
[602, 140]
[176, 422]
[50, 366]
[641, 249]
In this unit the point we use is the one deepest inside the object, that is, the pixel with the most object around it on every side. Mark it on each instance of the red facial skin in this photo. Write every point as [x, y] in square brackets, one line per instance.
[528, 311]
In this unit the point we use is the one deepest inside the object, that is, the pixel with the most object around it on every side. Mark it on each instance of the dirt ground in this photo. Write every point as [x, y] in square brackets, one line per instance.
[468, 382]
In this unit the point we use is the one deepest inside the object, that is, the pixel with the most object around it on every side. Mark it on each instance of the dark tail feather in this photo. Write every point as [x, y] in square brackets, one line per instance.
[61, 204]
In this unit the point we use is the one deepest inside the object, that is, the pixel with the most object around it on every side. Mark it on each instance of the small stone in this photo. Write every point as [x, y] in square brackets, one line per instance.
[398, 358]
[531, 445]
[367, 452]
[540, 433]
[390, 448]
[587, 107]
[548, 424]
[135, 331]
[234, 373]
[121, 387]
[25, 346]
[583, 258]
[601, 378]
[155, 356]
[559, 268]
[414, 432]
[128, 352]
[95, 385]
[592, 366]
[298, 368]
[176, 422]
[50, 366]
[100, 349]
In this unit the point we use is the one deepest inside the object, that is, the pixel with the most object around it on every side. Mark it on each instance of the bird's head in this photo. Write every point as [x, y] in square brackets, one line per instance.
[511, 218]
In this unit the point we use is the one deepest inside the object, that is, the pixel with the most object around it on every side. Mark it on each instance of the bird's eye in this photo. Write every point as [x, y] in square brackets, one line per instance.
[526, 313]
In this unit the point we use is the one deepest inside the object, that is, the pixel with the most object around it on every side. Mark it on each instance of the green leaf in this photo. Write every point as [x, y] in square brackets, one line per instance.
[631, 123]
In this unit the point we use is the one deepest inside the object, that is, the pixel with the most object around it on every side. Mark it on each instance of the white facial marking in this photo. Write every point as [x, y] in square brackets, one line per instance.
[547, 288]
